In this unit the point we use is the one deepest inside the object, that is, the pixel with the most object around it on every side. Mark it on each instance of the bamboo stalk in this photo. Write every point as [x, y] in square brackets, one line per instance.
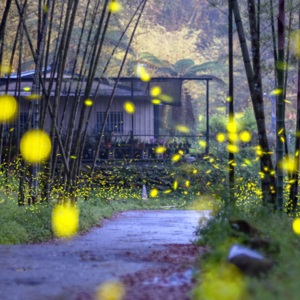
[111, 100]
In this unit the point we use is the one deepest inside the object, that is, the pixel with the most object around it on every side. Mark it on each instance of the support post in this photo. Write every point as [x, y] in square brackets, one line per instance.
[156, 121]
[207, 117]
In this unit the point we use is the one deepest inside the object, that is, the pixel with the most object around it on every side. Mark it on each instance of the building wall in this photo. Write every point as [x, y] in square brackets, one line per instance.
[143, 118]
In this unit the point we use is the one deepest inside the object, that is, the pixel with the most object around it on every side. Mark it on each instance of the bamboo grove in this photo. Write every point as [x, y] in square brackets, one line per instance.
[76, 35]
[53, 40]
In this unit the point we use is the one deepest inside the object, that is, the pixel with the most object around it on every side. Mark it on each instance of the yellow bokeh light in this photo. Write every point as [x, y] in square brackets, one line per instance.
[6, 69]
[156, 101]
[166, 98]
[155, 91]
[27, 89]
[245, 136]
[232, 148]
[110, 290]
[229, 99]
[224, 282]
[233, 136]
[221, 137]
[295, 42]
[144, 75]
[153, 193]
[88, 102]
[45, 8]
[182, 128]
[160, 149]
[195, 171]
[175, 185]
[115, 7]
[200, 118]
[33, 97]
[232, 127]
[296, 225]
[187, 183]
[248, 162]
[276, 92]
[176, 157]
[35, 146]
[288, 163]
[181, 152]
[202, 144]
[129, 107]
[65, 220]
[9, 108]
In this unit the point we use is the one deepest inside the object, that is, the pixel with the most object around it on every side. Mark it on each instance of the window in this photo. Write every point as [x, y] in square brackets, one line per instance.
[23, 119]
[114, 121]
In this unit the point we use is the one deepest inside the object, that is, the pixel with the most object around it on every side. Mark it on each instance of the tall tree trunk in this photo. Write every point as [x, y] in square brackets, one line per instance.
[295, 176]
[285, 88]
[2, 36]
[63, 50]
[2, 29]
[231, 108]
[280, 111]
[268, 182]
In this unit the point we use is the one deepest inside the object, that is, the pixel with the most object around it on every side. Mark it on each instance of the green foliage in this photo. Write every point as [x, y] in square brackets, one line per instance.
[283, 279]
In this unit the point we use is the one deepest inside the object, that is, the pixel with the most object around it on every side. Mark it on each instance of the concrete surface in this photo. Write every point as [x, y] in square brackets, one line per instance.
[50, 270]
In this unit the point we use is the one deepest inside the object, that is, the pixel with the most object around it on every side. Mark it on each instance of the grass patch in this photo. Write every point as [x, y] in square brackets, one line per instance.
[32, 224]
[282, 282]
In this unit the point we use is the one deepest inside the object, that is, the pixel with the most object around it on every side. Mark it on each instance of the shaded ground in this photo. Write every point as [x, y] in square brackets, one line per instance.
[134, 247]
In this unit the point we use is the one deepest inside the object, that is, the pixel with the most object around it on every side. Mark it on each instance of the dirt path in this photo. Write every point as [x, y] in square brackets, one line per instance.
[125, 248]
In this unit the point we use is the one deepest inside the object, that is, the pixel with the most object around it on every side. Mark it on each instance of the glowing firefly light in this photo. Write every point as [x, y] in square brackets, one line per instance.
[156, 101]
[153, 193]
[175, 185]
[110, 290]
[160, 149]
[144, 74]
[129, 107]
[221, 137]
[166, 98]
[65, 220]
[232, 127]
[276, 92]
[232, 148]
[233, 136]
[9, 107]
[176, 157]
[155, 91]
[245, 136]
[115, 7]
[202, 144]
[35, 146]
[88, 102]
[182, 128]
